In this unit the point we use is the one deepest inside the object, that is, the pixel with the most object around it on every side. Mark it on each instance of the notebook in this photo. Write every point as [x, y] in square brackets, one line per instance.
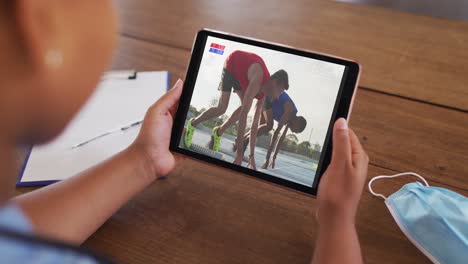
[107, 124]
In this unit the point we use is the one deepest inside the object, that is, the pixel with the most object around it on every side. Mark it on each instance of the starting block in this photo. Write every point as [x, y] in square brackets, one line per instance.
[206, 151]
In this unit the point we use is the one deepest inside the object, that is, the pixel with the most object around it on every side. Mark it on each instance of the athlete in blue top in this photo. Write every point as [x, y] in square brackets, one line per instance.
[284, 111]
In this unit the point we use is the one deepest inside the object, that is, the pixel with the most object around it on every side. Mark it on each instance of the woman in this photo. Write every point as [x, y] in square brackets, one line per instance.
[53, 54]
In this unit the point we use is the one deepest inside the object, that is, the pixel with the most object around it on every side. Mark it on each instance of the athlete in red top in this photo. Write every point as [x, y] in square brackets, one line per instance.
[238, 64]
[247, 75]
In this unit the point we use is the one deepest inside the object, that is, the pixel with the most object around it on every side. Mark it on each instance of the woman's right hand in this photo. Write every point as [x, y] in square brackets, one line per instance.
[341, 186]
[155, 133]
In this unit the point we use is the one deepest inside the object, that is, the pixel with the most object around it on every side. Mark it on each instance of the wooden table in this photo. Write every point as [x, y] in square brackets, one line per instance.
[410, 114]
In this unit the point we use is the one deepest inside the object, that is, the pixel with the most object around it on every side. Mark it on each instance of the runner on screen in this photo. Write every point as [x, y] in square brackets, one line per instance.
[284, 111]
[247, 75]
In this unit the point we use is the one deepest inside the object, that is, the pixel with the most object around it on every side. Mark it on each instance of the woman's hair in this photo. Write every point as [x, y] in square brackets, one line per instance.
[10, 39]
[6, 8]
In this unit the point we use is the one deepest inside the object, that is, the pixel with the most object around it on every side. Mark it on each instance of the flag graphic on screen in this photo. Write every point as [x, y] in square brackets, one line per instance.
[217, 49]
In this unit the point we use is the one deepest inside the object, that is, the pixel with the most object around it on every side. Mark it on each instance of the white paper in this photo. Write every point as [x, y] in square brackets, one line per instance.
[115, 104]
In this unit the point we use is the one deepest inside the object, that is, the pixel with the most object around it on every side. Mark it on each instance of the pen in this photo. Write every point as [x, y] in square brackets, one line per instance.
[107, 133]
[131, 125]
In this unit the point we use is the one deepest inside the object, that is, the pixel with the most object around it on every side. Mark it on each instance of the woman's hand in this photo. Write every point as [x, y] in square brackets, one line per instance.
[155, 134]
[341, 186]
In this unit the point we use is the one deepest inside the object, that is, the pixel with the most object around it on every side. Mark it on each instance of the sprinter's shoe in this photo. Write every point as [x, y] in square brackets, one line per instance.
[215, 140]
[189, 134]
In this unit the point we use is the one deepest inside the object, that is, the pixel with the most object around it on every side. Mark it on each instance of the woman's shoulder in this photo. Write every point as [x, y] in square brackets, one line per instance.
[19, 245]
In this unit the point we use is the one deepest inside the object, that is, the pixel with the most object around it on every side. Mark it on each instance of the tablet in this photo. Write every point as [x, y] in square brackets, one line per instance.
[262, 109]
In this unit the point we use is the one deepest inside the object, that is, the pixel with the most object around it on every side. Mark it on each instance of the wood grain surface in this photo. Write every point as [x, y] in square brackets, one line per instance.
[205, 214]
[413, 56]
[410, 114]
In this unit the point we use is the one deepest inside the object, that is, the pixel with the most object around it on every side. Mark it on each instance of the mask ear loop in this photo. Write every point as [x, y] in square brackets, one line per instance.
[392, 176]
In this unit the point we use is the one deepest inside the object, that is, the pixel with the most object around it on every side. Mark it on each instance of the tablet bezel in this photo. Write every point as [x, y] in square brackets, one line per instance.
[342, 108]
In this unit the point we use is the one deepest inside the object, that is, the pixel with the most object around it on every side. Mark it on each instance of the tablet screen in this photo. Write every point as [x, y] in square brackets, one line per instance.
[297, 96]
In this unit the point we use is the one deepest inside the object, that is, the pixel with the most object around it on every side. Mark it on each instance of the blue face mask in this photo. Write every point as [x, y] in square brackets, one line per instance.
[434, 219]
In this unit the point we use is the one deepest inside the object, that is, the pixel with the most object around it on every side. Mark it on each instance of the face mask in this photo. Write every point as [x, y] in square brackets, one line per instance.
[434, 219]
